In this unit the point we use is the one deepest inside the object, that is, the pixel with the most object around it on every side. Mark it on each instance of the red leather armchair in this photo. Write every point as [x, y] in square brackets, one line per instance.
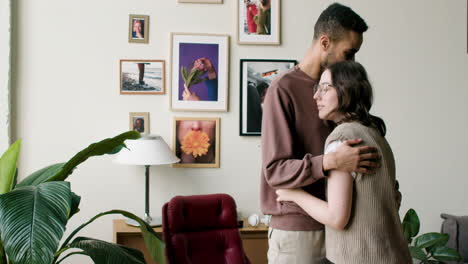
[202, 229]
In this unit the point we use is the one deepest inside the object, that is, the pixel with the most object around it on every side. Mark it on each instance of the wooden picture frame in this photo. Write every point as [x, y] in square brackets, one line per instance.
[258, 24]
[193, 142]
[139, 121]
[138, 29]
[255, 78]
[142, 76]
[208, 90]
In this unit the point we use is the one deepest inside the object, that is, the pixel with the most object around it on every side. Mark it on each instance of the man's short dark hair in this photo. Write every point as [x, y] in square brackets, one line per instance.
[336, 19]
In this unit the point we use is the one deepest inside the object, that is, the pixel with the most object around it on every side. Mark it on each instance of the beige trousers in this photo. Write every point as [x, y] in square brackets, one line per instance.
[295, 247]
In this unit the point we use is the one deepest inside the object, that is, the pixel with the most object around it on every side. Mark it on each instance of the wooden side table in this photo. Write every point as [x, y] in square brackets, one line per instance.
[254, 239]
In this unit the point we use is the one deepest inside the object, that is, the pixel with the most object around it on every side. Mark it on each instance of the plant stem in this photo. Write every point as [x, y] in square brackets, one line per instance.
[3, 258]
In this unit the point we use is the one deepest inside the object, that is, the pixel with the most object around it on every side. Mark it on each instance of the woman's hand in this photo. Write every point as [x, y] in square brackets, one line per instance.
[288, 194]
[189, 96]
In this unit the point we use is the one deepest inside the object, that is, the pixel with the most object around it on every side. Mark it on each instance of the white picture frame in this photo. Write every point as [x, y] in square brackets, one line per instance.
[247, 27]
[210, 93]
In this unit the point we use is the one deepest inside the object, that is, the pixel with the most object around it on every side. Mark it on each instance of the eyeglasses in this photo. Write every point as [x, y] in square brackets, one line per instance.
[322, 88]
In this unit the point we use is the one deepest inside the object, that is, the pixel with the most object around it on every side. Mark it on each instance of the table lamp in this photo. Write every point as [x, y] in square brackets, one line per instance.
[148, 150]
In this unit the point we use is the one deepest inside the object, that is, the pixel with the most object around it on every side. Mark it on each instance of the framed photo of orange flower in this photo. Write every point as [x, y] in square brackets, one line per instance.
[196, 142]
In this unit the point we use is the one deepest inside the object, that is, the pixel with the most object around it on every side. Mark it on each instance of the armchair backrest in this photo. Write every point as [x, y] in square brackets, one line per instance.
[202, 229]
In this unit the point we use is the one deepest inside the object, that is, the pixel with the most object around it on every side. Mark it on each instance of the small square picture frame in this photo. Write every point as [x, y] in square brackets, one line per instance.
[196, 142]
[139, 121]
[138, 29]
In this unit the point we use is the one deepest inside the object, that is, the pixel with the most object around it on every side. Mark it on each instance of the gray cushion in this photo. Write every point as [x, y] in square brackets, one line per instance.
[457, 228]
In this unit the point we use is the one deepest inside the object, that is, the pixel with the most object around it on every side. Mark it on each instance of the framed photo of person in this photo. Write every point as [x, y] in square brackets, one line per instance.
[258, 22]
[199, 72]
[142, 77]
[139, 121]
[201, 1]
[196, 142]
[138, 29]
[255, 78]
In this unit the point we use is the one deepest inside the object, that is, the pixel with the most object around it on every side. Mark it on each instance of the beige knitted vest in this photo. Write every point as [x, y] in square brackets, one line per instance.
[374, 233]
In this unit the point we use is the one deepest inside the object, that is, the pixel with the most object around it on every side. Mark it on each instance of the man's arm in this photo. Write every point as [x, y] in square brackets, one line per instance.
[281, 168]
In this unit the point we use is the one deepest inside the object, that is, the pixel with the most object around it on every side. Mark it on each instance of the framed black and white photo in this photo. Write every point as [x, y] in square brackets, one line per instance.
[255, 78]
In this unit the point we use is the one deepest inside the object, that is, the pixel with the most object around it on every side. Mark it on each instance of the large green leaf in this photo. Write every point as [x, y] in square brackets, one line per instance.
[446, 254]
[33, 220]
[75, 203]
[40, 176]
[102, 252]
[60, 172]
[153, 241]
[430, 239]
[442, 241]
[410, 225]
[8, 167]
[417, 253]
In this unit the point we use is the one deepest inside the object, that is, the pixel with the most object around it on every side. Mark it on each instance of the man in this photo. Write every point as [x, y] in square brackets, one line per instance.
[293, 139]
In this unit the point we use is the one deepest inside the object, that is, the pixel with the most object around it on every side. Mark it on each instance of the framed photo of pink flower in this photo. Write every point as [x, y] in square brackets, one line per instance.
[199, 72]
[196, 142]
[258, 22]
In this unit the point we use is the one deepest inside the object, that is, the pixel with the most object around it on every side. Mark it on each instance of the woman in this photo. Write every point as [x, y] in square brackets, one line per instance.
[360, 214]
[263, 18]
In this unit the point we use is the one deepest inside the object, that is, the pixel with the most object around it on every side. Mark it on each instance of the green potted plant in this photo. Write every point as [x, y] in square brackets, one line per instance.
[34, 214]
[429, 248]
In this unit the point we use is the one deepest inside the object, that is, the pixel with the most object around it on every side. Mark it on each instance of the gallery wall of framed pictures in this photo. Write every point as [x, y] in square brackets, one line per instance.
[198, 78]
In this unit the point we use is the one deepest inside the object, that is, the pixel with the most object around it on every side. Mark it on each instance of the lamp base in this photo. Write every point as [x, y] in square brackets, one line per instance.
[156, 221]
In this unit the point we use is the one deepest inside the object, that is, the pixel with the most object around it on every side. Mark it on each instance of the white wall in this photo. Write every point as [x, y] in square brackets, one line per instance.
[5, 17]
[66, 96]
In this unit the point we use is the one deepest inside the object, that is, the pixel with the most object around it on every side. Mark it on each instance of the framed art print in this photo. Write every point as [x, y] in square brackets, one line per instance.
[142, 77]
[255, 78]
[258, 22]
[199, 72]
[139, 121]
[138, 29]
[196, 142]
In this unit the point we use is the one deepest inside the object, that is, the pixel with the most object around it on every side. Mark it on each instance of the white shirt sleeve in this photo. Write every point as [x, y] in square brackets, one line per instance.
[332, 147]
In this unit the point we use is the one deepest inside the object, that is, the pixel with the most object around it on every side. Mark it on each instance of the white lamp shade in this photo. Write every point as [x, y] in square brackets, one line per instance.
[148, 150]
